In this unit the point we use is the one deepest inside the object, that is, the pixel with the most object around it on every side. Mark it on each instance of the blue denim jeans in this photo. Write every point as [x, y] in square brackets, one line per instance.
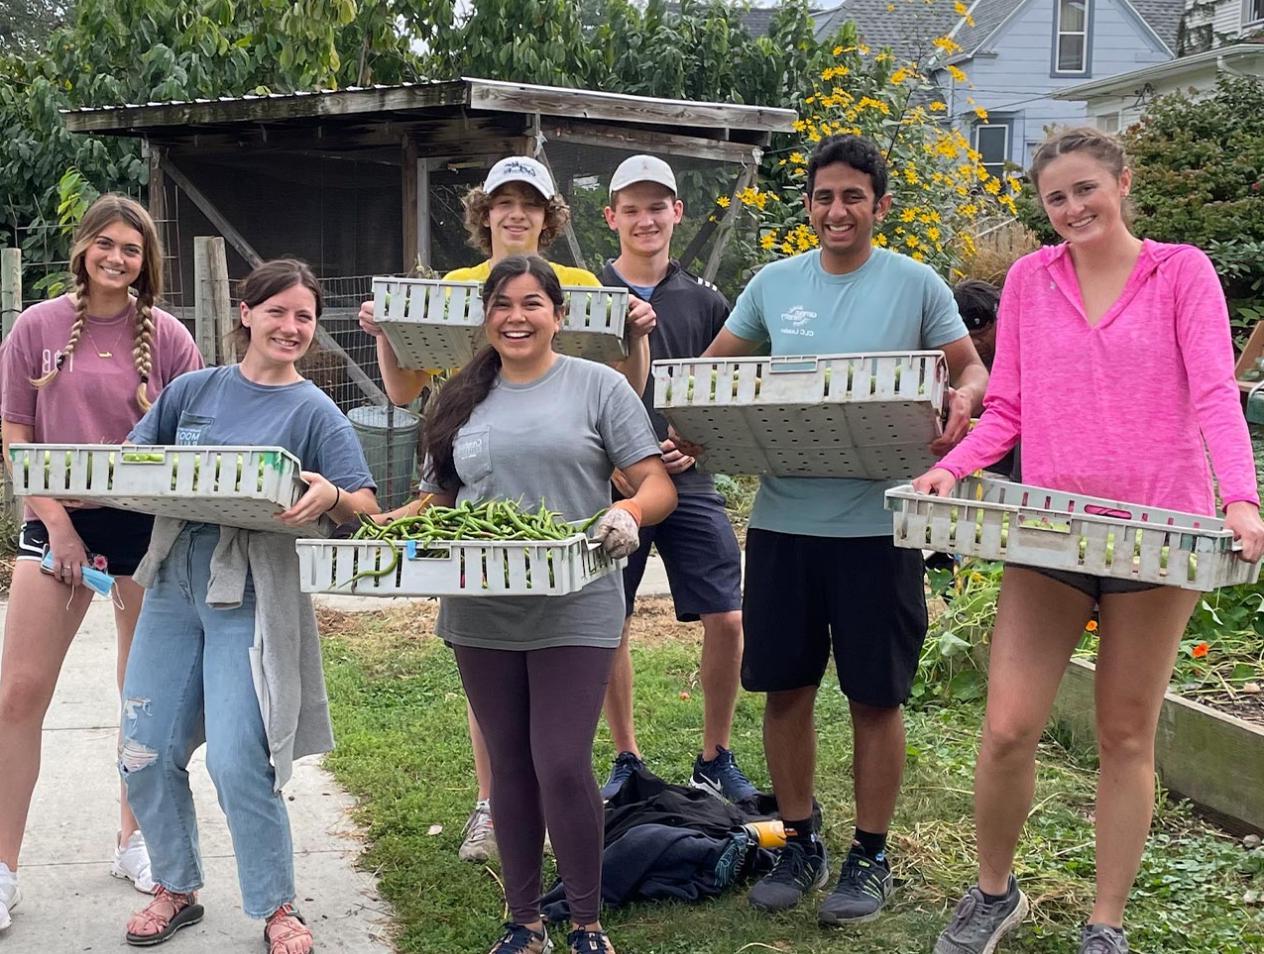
[190, 666]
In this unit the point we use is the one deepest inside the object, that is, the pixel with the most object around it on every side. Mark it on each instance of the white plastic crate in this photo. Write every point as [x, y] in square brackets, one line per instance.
[847, 415]
[233, 486]
[438, 324]
[1035, 526]
[452, 568]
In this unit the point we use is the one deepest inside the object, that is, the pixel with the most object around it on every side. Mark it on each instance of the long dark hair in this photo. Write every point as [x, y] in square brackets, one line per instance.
[470, 386]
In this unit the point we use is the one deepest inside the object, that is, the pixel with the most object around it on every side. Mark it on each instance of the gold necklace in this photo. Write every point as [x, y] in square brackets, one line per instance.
[93, 341]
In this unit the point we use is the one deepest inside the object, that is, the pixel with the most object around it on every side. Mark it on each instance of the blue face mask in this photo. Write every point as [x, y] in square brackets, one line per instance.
[96, 580]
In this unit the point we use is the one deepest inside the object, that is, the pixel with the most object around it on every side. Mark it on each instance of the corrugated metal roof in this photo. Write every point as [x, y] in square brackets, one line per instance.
[299, 94]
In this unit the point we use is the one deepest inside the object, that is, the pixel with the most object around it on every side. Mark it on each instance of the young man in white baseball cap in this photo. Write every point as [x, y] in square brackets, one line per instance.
[696, 542]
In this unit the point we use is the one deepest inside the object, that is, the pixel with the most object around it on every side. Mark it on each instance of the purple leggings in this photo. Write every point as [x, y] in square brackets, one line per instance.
[538, 710]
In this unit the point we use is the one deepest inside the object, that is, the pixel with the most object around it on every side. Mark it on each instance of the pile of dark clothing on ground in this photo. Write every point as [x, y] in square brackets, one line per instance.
[669, 842]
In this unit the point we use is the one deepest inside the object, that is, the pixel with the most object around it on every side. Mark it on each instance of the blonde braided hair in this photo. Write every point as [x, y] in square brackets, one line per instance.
[107, 210]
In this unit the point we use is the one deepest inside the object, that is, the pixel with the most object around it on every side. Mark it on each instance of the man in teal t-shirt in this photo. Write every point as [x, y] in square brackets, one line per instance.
[822, 571]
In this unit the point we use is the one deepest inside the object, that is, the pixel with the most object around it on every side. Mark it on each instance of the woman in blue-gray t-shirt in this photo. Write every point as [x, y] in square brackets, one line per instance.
[241, 674]
[522, 422]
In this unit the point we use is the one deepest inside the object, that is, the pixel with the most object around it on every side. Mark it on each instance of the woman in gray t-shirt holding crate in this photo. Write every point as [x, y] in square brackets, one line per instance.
[521, 422]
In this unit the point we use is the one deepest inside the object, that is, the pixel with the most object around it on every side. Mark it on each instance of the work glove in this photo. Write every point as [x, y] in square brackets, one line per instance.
[618, 531]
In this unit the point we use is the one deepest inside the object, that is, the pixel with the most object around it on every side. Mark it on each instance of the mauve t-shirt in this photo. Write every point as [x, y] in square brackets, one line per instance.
[93, 399]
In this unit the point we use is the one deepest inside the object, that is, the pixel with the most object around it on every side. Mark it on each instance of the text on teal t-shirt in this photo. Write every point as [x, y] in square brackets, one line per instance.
[795, 307]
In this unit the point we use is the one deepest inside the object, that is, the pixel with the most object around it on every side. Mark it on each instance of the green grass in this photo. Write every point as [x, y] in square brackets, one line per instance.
[402, 751]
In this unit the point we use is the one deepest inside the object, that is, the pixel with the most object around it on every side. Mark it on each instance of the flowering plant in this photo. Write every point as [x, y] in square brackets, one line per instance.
[940, 185]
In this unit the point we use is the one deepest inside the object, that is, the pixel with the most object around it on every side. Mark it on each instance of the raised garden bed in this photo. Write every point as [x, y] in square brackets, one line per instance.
[1210, 757]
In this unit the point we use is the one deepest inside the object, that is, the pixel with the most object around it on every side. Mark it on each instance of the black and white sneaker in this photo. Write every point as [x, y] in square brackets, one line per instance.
[1103, 939]
[721, 776]
[800, 868]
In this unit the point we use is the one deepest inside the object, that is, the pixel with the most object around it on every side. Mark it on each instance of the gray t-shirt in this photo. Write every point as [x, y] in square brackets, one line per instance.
[218, 406]
[556, 439]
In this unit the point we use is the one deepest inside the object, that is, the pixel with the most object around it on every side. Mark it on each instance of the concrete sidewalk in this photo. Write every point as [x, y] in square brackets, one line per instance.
[70, 902]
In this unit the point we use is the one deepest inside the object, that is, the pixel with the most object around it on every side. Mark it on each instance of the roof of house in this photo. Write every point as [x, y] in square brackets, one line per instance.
[906, 27]
[1161, 16]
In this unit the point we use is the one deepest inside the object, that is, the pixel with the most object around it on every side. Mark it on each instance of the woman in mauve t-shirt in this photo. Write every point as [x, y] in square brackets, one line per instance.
[79, 369]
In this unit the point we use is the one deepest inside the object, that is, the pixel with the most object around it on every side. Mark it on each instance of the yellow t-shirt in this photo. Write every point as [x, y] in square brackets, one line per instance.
[566, 274]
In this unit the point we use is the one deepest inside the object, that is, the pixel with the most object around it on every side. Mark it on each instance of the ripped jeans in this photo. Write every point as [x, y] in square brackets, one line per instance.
[190, 666]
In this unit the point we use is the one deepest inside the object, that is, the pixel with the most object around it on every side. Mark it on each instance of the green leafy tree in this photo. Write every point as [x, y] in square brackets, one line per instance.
[26, 24]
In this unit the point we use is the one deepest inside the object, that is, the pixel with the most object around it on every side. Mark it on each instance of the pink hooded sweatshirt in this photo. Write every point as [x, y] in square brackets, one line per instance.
[1129, 408]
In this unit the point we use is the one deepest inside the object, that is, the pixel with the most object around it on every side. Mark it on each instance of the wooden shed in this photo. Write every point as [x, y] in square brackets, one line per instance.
[363, 181]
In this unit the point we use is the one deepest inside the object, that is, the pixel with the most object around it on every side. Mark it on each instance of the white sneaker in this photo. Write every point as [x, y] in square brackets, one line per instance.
[479, 843]
[131, 862]
[10, 895]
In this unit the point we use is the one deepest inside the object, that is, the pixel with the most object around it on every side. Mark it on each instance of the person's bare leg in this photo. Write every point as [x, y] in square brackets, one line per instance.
[721, 673]
[1038, 622]
[482, 758]
[130, 594]
[878, 764]
[1139, 636]
[790, 749]
[38, 629]
[618, 702]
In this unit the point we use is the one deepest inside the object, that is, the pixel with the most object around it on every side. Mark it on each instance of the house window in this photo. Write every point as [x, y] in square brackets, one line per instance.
[1072, 36]
[1252, 10]
[1108, 122]
[991, 141]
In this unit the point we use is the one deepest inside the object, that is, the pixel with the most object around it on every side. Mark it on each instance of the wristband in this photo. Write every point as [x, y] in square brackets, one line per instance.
[631, 506]
[337, 497]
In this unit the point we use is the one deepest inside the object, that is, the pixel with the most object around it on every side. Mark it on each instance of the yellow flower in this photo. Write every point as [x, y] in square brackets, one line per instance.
[908, 215]
[933, 234]
[798, 159]
[768, 241]
[992, 186]
[901, 75]
[938, 106]
[918, 256]
[946, 44]
[956, 73]
[722, 201]
[838, 51]
[911, 241]
[981, 113]
[880, 239]
[960, 9]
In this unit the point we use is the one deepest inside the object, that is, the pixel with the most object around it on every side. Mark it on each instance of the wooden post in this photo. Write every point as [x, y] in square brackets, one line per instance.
[744, 180]
[10, 288]
[423, 212]
[408, 200]
[212, 309]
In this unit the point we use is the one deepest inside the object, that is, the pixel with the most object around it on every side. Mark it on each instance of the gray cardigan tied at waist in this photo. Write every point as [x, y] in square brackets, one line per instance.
[285, 659]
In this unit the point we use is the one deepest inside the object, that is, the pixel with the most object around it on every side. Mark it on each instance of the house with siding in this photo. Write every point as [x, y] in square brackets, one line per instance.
[1017, 55]
[1215, 38]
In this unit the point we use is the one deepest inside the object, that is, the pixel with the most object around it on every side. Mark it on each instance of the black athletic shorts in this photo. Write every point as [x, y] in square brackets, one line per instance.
[700, 553]
[1093, 586]
[862, 597]
[120, 536]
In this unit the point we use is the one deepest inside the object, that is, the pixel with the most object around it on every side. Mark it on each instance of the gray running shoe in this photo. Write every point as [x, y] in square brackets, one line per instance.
[479, 841]
[863, 888]
[977, 926]
[799, 869]
[1103, 939]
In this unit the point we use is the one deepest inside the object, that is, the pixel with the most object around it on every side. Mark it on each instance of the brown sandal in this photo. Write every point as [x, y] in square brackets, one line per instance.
[167, 913]
[286, 927]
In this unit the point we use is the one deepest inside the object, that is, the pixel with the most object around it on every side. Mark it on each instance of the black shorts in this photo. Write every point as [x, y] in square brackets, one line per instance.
[862, 597]
[1094, 586]
[120, 536]
[700, 553]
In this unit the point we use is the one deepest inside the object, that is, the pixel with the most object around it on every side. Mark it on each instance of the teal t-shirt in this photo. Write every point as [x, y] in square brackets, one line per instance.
[793, 307]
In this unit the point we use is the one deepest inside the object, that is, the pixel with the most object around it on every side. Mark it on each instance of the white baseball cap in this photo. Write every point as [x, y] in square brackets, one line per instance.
[642, 169]
[520, 169]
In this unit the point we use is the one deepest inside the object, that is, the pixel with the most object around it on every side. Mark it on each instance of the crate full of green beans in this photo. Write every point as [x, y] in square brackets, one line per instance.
[242, 487]
[494, 549]
[841, 415]
[1035, 526]
[439, 324]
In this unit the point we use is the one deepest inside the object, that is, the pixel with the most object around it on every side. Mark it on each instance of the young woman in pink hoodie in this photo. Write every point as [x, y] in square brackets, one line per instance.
[1114, 364]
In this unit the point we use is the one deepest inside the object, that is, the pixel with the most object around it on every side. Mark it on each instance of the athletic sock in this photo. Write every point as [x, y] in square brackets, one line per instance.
[800, 831]
[870, 844]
